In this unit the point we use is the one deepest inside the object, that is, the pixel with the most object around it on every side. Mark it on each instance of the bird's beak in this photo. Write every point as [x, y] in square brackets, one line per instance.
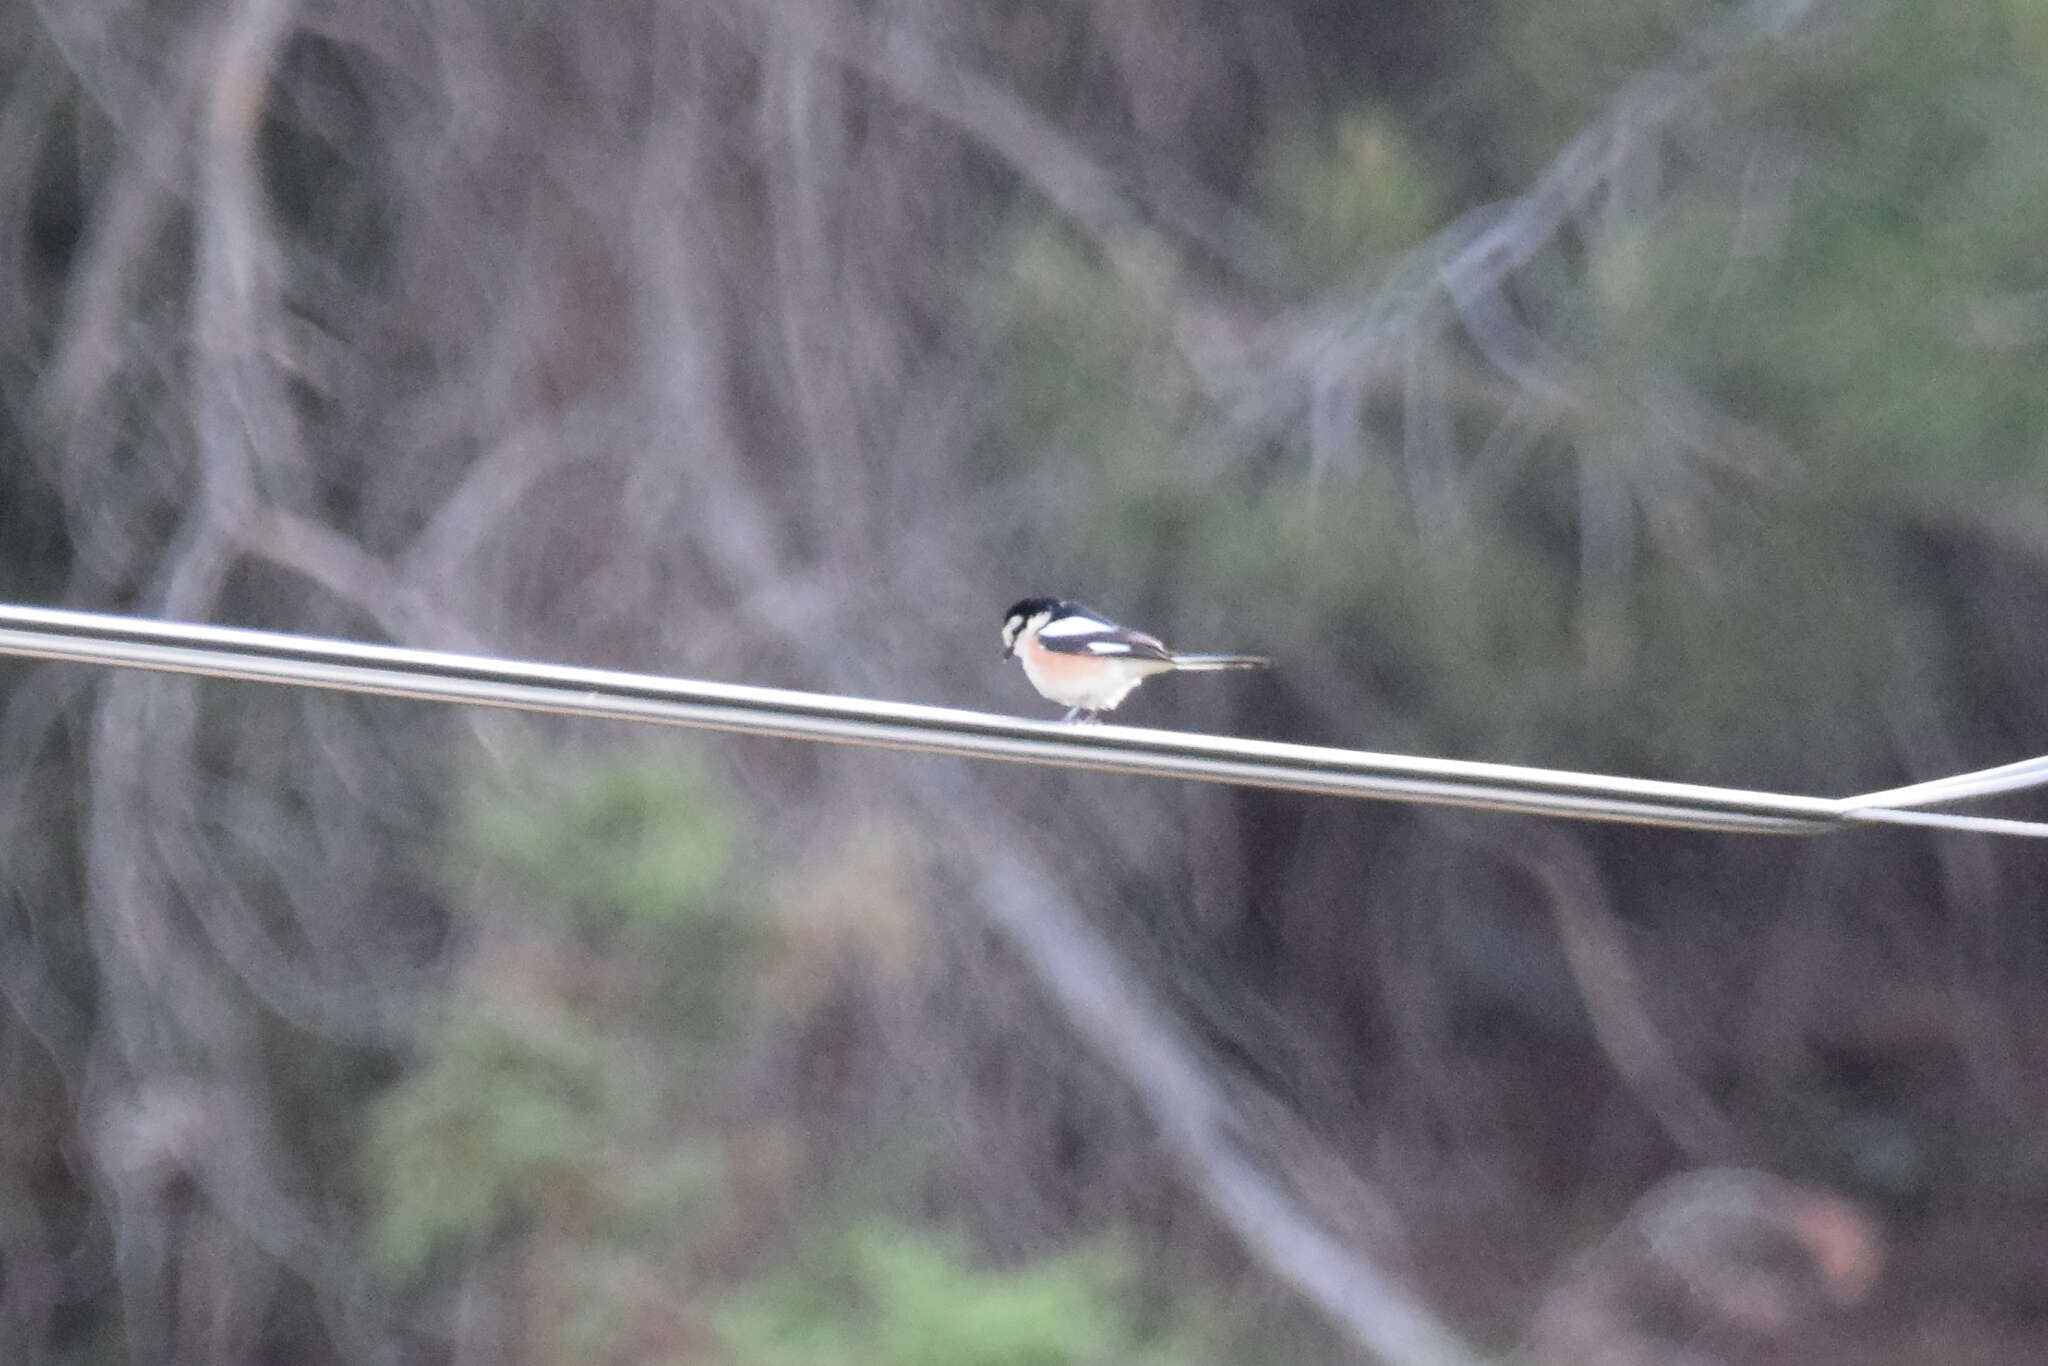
[1009, 650]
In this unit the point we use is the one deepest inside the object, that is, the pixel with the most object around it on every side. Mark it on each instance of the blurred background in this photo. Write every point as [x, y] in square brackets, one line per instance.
[1647, 386]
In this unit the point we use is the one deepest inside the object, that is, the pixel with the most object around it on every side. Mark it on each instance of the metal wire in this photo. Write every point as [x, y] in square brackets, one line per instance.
[352, 666]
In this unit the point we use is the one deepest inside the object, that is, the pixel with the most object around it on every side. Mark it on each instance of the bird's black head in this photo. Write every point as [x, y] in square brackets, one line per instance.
[1021, 616]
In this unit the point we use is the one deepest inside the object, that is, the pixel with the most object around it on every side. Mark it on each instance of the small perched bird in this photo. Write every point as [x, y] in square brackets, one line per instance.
[1086, 662]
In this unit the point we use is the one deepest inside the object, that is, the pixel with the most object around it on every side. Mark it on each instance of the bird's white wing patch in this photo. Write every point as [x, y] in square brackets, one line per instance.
[1109, 647]
[1075, 626]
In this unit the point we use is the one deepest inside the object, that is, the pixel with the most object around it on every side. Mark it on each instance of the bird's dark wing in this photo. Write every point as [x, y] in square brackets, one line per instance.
[1079, 635]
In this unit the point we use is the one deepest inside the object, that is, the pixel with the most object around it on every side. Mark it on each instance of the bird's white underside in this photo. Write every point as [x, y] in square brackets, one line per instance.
[1091, 682]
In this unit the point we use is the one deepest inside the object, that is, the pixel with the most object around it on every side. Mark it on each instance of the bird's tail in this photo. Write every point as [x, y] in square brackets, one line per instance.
[1199, 663]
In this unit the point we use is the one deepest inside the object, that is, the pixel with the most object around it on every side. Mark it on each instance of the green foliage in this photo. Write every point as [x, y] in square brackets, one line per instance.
[1082, 342]
[1778, 668]
[506, 1112]
[889, 1296]
[609, 963]
[622, 842]
[1872, 340]
[1890, 330]
[1545, 67]
[2026, 25]
[1354, 194]
[552, 1111]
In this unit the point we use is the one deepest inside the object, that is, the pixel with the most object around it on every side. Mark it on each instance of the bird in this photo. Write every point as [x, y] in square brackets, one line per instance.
[1087, 663]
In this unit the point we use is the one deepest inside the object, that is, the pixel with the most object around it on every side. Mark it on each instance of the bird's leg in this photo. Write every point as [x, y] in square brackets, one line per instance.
[1082, 715]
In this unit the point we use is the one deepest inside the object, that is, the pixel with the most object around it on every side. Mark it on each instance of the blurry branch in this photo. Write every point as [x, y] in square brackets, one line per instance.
[1923, 745]
[805, 94]
[98, 40]
[398, 603]
[241, 415]
[1615, 1001]
[401, 600]
[1234, 234]
[1978, 941]
[27, 112]
[1197, 1122]
[146, 731]
[143, 734]
[150, 860]
[1306, 374]
[172, 1128]
[35, 712]
[491, 489]
[690, 339]
[1098, 202]
[1476, 260]
[136, 203]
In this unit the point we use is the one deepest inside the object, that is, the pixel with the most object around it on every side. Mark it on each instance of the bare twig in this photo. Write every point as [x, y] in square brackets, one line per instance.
[1615, 999]
[1197, 1122]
